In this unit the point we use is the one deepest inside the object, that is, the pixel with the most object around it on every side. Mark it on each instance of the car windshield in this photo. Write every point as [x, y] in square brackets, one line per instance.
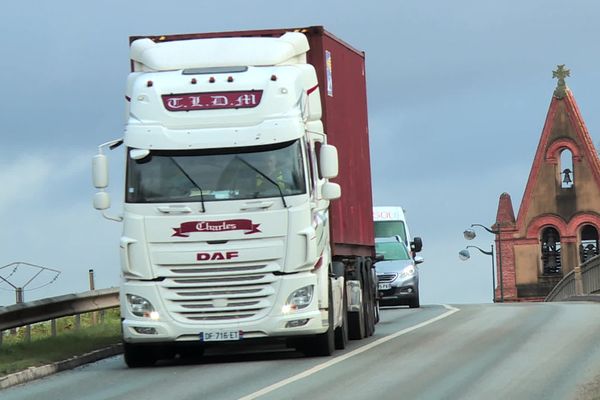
[392, 250]
[212, 175]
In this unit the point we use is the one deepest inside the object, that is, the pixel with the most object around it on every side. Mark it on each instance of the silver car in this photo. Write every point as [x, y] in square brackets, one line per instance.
[397, 273]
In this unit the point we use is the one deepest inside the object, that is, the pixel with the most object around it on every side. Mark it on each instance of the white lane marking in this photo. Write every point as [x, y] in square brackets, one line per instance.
[319, 367]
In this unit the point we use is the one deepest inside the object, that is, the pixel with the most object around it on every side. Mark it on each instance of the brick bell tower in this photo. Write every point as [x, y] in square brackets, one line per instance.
[559, 219]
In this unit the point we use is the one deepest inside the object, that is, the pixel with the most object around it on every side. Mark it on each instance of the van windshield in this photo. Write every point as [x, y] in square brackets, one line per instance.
[221, 174]
[389, 229]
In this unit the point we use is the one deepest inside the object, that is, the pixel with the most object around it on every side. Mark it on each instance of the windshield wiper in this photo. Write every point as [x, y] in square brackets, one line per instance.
[264, 176]
[191, 180]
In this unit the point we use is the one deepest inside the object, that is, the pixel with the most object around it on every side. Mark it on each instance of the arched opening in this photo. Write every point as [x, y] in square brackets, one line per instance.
[566, 169]
[551, 261]
[588, 247]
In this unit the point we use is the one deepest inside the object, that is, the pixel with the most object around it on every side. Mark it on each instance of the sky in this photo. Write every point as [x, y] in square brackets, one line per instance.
[457, 93]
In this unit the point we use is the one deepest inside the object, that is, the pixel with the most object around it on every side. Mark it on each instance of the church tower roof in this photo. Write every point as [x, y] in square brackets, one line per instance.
[564, 128]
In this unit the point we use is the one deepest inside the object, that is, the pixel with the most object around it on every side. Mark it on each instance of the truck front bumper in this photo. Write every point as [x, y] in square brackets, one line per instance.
[166, 325]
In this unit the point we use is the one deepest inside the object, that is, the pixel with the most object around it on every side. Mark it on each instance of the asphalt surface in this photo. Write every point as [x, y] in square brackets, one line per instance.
[499, 351]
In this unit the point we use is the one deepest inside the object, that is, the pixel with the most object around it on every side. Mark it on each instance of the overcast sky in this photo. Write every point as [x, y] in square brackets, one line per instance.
[458, 92]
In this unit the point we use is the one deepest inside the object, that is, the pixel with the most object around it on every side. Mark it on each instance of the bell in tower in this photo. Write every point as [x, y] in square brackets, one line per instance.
[567, 181]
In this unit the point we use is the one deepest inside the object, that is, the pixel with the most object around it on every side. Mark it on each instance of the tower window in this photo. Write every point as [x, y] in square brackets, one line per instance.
[588, 247]
[551, 261]
[566, 169]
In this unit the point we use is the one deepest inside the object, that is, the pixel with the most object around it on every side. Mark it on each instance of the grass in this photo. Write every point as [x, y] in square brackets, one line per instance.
[16, 354]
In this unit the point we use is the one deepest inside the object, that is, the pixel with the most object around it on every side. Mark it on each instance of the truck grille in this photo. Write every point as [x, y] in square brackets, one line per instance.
[386, 277]
[219, 298]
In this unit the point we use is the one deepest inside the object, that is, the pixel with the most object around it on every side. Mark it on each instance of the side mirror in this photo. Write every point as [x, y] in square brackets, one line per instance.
[100, 171]
[379, 257]
[418, 260]
[416, 245]
[331, 191]
[328, 158]
[101, 201]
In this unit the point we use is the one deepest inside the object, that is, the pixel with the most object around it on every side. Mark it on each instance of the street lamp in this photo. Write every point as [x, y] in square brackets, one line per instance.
[465, 255]
[470, 234]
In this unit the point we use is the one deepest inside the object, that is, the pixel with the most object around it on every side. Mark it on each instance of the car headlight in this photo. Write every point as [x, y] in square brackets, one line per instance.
[141, 307]
[299, 299]
[408, 272]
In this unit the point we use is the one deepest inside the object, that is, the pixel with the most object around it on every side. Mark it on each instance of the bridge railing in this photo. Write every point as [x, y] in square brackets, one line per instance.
[25, 314]
[590, 274]
[581, 281]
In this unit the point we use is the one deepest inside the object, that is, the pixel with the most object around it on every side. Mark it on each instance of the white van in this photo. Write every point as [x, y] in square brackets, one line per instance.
[390, 221]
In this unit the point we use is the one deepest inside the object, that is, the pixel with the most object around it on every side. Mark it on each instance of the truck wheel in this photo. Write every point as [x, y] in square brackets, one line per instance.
[356, 319]
[369, 303]
[323, 344]
[137, 355]
[341, 332]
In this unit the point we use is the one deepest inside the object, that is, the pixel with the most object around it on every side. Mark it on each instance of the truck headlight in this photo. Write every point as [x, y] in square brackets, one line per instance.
[299, 299]
[141, 307]
[407, 272]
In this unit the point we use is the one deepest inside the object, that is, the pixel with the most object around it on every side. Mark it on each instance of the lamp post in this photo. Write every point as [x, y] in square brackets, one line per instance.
[465, 255]
[470, 234]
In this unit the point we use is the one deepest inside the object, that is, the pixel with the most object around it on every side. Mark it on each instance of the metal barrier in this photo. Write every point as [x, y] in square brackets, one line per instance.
[590, 273]
[57, 307]
[587, 277]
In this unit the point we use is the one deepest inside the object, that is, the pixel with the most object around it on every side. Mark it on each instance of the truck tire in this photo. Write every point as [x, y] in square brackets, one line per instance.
[341, 332]
[369, 303]
[356, 319]
[323, 344]
[137, 355]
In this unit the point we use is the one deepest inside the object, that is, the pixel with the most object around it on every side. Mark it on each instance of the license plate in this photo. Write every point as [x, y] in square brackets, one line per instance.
[385, 286]
[220, 335]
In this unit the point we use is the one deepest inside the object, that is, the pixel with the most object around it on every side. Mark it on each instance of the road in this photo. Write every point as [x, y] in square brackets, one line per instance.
[495, 351]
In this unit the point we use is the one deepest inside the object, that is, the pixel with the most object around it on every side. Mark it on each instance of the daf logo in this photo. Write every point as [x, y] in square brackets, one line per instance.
[217, 255]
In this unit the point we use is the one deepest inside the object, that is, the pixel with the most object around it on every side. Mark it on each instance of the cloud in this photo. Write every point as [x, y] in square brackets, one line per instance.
[33, 177]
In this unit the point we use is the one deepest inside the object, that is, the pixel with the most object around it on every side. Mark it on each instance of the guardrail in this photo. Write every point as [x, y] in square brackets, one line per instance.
[583, 280]
[32, 312]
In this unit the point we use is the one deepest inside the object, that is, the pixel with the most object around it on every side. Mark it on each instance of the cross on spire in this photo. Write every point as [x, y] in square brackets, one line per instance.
[561, 73]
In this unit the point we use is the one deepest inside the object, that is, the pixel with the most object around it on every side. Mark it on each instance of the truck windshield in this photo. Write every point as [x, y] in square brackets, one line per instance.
[216, 174]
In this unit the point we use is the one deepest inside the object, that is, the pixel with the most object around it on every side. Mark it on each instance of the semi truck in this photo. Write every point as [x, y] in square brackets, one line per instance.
[248, 208]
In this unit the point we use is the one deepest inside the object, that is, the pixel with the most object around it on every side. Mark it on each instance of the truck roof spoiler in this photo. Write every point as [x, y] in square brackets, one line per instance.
[289, 48]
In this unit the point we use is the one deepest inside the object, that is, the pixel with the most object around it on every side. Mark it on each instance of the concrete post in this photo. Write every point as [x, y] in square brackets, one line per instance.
[19, 295]
[18, 300]
[91, 275]
[93, 287]
[578, 281]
